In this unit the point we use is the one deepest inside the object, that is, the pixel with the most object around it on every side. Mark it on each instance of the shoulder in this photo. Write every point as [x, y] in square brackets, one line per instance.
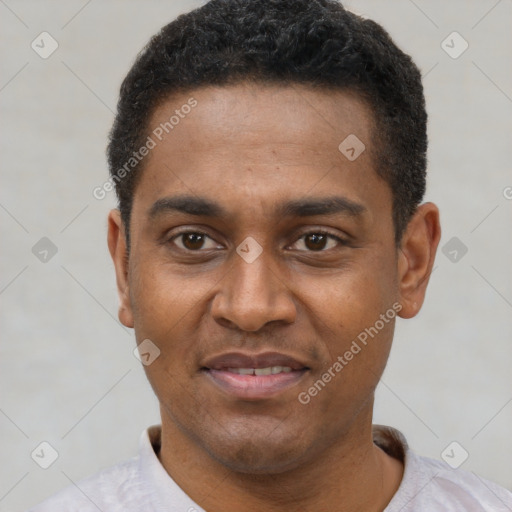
[430, 484]
[106, 490]
[121, 487]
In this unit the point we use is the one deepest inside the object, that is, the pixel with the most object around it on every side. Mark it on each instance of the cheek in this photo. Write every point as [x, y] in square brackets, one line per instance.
[353, 315]
[161, 297]
[353, 298]
[171, 308]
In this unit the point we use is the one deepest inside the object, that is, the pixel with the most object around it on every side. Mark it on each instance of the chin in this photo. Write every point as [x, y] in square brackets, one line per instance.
[257, 453]
[251, 459]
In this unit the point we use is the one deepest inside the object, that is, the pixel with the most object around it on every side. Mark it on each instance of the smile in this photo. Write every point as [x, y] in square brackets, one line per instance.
[269, 370]
[254, 376]
[239, 383]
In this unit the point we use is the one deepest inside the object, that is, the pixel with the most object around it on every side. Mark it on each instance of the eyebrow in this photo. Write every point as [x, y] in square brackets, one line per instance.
[187, 204]
[320, 206]
[309, 207]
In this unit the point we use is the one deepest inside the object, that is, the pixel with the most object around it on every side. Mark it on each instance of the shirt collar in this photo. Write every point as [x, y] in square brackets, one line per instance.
[162, 489]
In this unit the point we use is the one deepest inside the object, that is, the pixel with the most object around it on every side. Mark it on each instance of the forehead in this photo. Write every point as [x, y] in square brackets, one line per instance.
[291, 117]
[252, 144]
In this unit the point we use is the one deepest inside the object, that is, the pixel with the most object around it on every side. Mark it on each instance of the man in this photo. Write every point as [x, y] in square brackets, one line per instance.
[269, 158]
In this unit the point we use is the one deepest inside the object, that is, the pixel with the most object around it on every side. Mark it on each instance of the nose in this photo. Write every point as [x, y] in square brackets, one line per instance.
[252, 295]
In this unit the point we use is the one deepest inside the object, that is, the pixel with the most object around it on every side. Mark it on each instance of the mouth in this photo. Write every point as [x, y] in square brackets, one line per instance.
[256, 376]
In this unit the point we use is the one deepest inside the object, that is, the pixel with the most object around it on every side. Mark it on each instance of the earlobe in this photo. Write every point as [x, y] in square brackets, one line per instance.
[416, 258]
[119, 254]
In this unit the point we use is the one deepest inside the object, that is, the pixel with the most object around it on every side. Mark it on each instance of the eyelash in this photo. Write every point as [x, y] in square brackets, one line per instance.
[340, 240]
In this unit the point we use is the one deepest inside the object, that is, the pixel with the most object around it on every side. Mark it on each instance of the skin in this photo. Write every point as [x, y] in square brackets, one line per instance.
[250, 148]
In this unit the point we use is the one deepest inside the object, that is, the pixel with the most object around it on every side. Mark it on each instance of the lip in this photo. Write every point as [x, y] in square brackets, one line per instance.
[253, 387]
[260, 360]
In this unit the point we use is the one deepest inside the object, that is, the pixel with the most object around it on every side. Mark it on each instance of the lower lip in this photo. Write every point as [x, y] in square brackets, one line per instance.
[254, 387]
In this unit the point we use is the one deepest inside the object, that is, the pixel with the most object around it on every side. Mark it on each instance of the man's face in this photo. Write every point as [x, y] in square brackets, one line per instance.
[211, 310]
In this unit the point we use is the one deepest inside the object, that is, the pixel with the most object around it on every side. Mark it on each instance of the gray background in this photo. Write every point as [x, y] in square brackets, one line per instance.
[68, 375]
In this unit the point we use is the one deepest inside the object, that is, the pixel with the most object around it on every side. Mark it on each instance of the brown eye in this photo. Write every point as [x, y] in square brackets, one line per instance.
[193, 241]
[317, 241]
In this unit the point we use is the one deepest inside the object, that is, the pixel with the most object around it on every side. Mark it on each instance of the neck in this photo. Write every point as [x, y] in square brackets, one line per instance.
[352, 475]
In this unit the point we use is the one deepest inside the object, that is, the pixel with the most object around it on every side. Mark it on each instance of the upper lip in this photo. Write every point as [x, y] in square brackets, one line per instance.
[261, 360]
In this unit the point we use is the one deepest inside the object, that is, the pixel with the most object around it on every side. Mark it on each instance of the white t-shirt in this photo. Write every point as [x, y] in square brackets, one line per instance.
[142, 484]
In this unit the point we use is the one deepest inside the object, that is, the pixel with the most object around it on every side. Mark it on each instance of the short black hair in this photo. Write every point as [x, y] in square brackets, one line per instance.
[312, 42]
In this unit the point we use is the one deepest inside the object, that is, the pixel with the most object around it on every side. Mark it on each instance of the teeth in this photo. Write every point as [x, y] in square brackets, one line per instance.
[263, 371]
[271, 370]
[242, 371]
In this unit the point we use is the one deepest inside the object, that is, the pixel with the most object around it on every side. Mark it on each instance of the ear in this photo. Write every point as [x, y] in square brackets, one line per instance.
[117, 248]
[416, 258]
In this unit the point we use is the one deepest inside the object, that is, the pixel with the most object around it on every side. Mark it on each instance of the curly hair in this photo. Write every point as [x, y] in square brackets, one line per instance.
[312, 42]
